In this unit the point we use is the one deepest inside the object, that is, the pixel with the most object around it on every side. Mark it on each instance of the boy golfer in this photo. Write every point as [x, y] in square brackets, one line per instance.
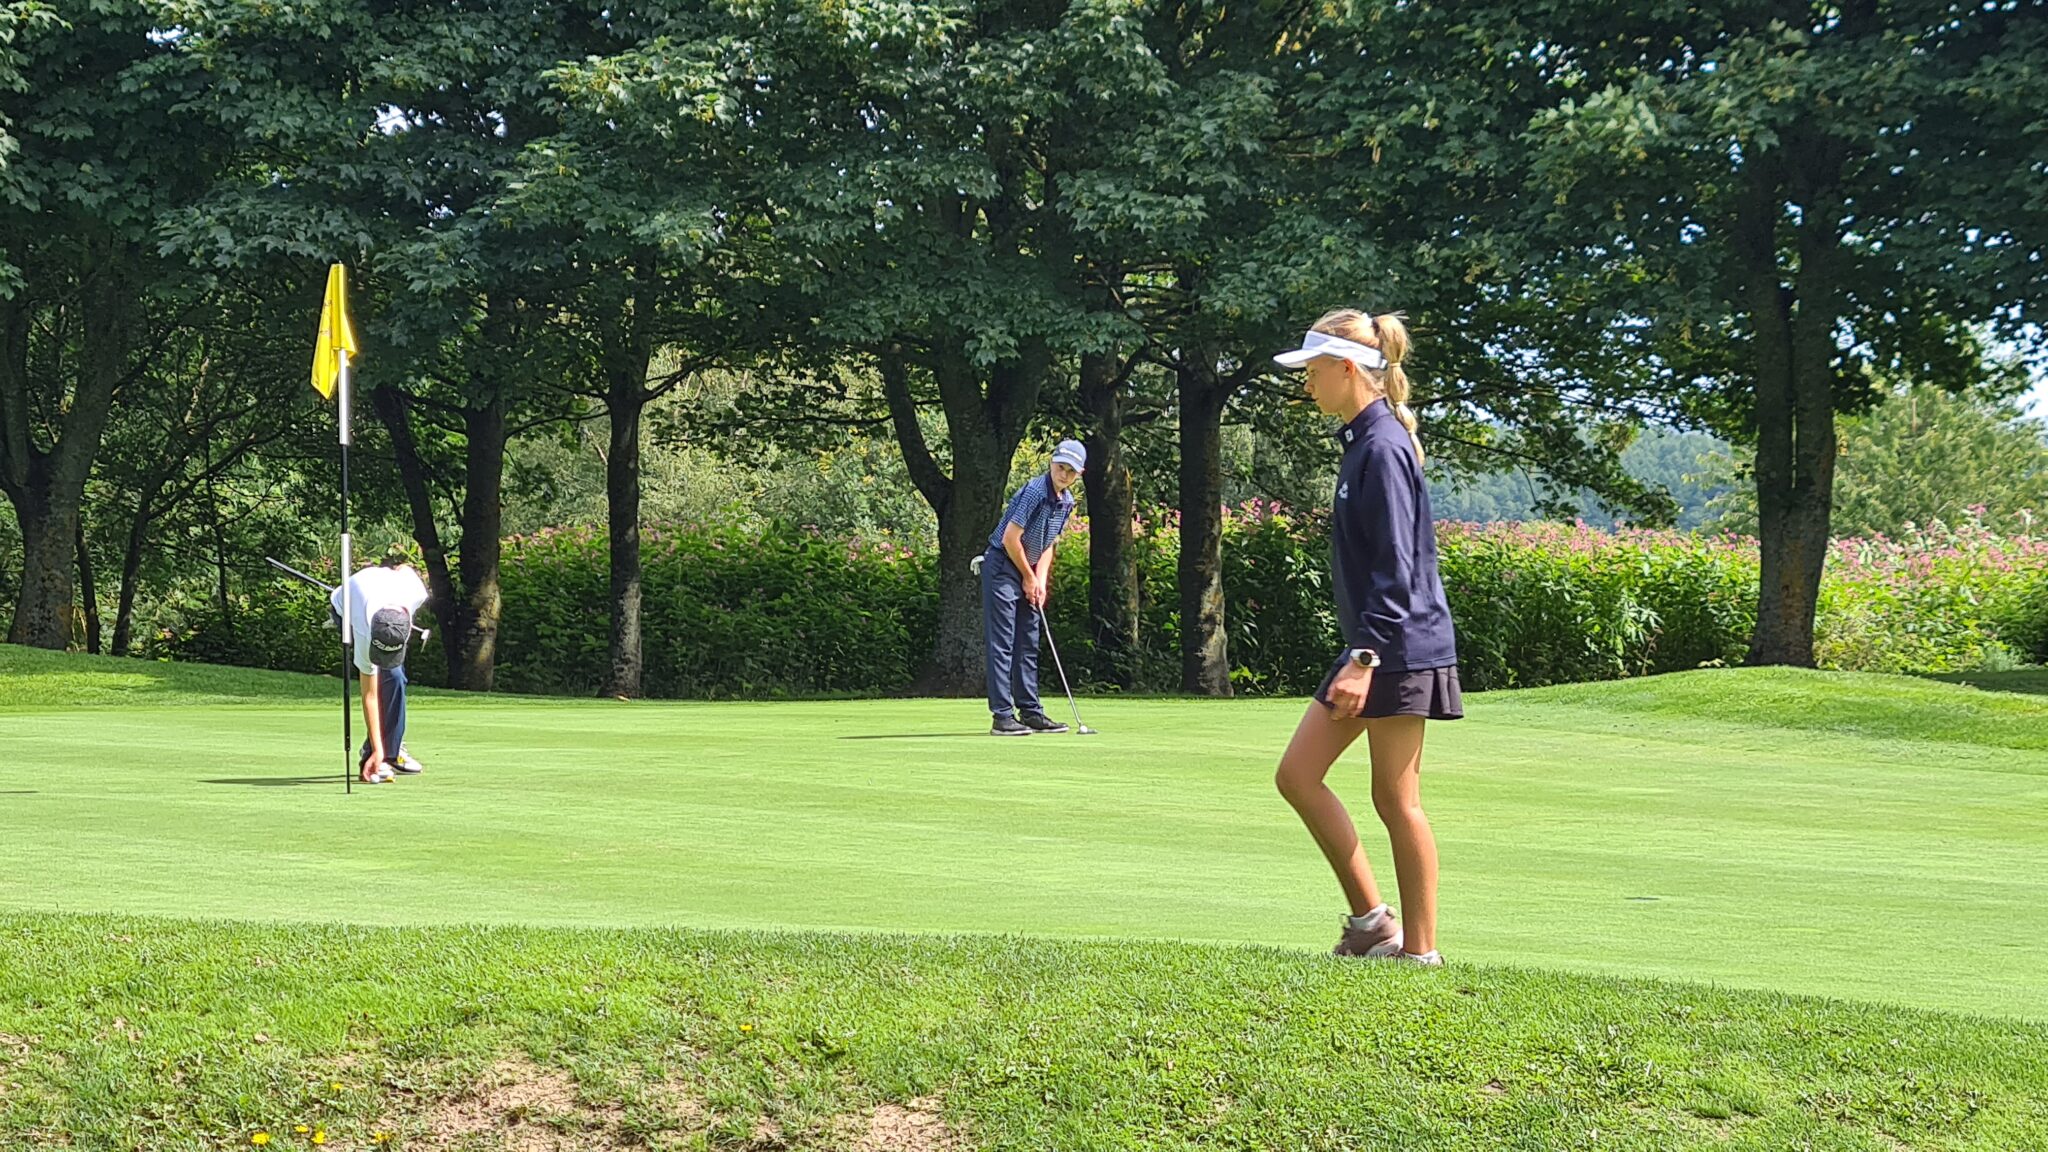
[1016, 573]
[381, 603]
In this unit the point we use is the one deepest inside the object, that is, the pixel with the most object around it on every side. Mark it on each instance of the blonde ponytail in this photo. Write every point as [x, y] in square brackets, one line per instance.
[1388, 333]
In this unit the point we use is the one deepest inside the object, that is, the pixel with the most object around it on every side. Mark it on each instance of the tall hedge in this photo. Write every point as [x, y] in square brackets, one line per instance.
[785, 612]
[726, 614]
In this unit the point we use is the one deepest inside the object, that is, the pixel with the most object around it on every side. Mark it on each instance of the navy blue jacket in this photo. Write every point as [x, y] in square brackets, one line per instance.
[1383, 549]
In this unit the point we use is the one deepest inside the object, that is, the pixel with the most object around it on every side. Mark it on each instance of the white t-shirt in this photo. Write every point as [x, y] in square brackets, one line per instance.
[369, 592]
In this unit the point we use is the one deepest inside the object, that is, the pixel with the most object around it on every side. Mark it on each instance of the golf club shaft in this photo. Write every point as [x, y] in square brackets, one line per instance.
[1045, 626]
[288, 570]
[425, 634]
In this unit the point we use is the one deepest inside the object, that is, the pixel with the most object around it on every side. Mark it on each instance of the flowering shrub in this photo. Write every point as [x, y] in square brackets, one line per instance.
[1549, 603]
[1944, 598]
[734, 613]
[1546, 603]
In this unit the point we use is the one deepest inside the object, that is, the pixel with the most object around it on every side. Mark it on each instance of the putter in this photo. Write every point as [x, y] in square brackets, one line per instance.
[1045, 626]
[425, 633]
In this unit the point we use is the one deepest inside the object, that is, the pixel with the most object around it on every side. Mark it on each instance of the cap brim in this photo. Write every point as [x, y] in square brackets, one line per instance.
[1296, 358]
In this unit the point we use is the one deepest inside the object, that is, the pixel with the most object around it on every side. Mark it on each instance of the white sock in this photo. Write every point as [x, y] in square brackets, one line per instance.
[1370, 920]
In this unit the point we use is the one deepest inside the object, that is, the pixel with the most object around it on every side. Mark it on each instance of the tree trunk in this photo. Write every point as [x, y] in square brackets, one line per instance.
[88, 592]
[220, 544]
[1204, 644]
[984, 426]
[394, 411]
[131, 574]
[626, 359]
[474, 655]
[41, 619]
[957, 661]
[622, 509]
[47, 487]
[1793, 339]
[1112, 555]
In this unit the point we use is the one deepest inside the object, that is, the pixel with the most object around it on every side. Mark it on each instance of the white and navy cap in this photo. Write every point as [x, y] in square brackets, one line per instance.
[1323, 344]
[390, 633]
[1071, 453]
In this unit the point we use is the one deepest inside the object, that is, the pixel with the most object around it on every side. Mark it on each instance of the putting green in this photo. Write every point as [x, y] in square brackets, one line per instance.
[1761, 829]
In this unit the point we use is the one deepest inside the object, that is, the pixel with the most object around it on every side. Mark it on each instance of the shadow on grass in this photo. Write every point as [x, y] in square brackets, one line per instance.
[279, 781]
[2029, 681]
[918, 736]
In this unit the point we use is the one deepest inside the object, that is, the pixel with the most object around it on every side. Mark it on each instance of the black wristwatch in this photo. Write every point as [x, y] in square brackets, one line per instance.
[1365, 658]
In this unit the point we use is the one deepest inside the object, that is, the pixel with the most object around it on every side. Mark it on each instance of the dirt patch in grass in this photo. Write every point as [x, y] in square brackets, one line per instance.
[913, 1127]
[520, 1106]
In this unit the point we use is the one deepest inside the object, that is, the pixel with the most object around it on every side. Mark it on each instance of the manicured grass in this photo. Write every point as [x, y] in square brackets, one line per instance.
[31, 678]
[1861, 838]
[1770, 830]
[1882, 708]
[116, 1033]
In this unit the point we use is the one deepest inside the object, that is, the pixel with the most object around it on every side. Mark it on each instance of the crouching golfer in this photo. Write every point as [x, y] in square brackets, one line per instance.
[1016, 573]
[1400, 667]
[381, 603]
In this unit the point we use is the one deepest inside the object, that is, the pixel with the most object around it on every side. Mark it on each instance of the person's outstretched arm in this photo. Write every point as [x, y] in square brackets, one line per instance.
[373, 716]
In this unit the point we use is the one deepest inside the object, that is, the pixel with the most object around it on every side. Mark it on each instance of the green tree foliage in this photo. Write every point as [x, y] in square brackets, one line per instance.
[102, 143]
[1774, 197]
[1926, 456]
[398, 139]
[972, 227]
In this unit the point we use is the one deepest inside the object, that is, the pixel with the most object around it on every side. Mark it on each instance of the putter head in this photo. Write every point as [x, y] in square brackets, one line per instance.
[1085, 730]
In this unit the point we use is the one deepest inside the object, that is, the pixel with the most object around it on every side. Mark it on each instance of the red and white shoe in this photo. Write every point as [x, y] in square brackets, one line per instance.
[1377, 934]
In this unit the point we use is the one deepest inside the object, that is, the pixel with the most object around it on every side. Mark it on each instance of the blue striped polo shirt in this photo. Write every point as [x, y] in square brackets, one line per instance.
[1040, 511]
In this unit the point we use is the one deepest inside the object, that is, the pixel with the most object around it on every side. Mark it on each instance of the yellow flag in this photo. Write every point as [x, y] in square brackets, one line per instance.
[337, 335]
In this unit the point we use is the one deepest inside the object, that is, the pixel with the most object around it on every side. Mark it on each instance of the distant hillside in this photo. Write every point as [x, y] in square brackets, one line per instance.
[1693, 466]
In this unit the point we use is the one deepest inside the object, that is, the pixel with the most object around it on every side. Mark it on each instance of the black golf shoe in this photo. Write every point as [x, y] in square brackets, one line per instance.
[1007, 726]
[1040, 722]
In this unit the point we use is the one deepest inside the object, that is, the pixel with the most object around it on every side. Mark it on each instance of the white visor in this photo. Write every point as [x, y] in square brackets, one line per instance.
[1323, 344]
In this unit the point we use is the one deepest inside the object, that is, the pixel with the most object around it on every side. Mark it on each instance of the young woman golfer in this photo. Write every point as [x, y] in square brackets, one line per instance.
[1399, 668]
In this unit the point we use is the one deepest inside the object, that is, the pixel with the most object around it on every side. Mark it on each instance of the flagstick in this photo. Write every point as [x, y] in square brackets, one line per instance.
[348, 751]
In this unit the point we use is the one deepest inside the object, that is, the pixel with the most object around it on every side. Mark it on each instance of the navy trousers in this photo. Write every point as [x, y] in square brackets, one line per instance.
[391, 710]
[1009, 629]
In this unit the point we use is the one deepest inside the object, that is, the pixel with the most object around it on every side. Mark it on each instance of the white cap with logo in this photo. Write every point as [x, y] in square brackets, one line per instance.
[1072, 454]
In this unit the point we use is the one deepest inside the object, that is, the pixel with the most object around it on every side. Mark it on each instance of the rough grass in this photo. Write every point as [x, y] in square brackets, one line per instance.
[123, 1033]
